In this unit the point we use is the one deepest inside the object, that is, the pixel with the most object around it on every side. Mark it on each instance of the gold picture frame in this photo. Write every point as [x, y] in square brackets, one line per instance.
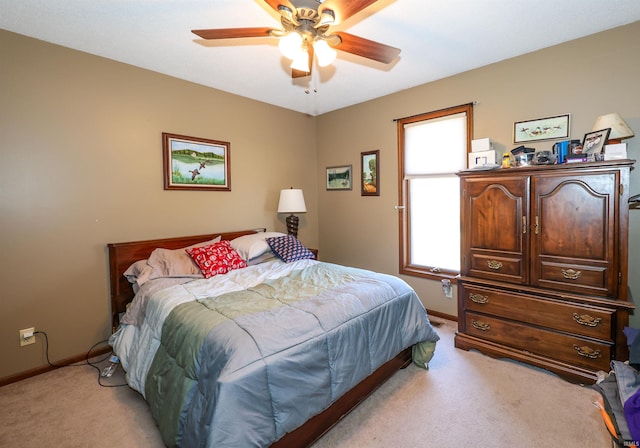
[192, 163]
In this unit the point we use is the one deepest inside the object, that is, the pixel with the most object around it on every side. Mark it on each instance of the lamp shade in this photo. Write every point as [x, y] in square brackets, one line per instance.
[619, 128]
[291, 201]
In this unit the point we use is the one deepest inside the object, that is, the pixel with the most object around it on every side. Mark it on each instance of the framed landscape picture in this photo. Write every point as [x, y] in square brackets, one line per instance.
[339, 177]
[192, 163]
[370, 181]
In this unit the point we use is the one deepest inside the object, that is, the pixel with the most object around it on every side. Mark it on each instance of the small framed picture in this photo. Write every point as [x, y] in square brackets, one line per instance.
[339, 177]
[370, 182]
[594, 141]
[548, 128]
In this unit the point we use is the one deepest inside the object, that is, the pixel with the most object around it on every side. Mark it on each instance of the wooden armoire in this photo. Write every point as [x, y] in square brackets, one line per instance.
[544, 265]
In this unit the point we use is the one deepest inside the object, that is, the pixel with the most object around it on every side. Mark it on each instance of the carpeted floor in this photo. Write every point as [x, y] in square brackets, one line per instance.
[465, 400]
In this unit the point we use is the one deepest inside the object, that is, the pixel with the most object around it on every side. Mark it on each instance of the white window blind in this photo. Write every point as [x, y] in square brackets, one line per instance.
[435, 146]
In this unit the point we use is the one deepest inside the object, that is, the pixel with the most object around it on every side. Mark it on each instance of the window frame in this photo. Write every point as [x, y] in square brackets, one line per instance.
[406, 268]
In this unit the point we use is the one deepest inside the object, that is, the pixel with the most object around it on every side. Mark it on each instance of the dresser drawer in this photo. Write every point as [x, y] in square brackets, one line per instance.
[583, 279]
[500, 268]
[584, 320]
[563, 347]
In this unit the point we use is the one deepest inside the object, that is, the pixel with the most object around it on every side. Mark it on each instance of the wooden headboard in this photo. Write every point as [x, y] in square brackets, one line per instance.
[123, 255]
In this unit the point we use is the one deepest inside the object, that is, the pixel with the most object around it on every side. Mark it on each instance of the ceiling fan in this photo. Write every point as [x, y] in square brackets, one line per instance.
[305, 33]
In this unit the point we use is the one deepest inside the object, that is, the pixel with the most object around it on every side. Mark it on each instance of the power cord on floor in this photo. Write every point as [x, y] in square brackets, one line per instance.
[87, 361]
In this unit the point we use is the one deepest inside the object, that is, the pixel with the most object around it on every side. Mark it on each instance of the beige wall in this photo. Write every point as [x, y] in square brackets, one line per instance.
[587, 78]
[82, 167]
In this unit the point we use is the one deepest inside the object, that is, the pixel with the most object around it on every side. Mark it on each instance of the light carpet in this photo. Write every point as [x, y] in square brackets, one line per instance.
[465, 399]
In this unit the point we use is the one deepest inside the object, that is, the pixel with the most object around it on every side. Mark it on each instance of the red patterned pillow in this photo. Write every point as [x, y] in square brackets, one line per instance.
[218, 258]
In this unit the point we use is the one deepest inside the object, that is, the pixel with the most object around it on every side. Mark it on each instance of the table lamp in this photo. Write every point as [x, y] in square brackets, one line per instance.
[619, 128]
[292, 201]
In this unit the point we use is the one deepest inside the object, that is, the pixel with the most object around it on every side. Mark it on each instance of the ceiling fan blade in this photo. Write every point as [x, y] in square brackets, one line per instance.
[301, 73]
[343, 9]
[366, 48]
[231, 33]
[275, 3]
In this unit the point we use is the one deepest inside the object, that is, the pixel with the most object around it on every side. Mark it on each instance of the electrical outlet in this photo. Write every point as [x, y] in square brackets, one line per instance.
[447, 288]
[27, 336]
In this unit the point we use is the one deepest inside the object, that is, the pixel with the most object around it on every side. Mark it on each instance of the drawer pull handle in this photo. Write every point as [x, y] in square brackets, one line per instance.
[571, 274]
[493, 264]
[587, 352]
[587, 320]
[477, 298]
[480, 325]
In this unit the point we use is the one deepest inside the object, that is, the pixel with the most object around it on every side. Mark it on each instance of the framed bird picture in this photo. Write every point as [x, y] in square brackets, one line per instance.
[192, 163]
[548, 128]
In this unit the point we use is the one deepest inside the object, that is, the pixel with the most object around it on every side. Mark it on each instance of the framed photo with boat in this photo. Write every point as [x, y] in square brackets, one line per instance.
[339, 177]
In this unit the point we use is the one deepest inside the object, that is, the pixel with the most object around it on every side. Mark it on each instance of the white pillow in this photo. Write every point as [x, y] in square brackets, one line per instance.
[254, 245]
[166, 263]
[175, 262]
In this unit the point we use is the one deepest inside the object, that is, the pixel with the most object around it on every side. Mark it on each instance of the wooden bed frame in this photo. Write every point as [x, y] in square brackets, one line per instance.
[122, 255]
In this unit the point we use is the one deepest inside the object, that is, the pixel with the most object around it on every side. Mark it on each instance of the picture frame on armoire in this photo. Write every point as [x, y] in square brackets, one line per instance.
[594, 141]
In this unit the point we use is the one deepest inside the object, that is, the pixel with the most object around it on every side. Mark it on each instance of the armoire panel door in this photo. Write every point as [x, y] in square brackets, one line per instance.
[496, 241]
[574, 233]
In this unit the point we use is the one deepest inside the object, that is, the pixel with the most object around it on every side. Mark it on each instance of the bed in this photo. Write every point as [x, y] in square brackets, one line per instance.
[271, 353]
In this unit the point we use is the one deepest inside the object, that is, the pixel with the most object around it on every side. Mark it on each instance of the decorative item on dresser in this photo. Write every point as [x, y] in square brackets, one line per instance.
[619, 128]
[544, 266]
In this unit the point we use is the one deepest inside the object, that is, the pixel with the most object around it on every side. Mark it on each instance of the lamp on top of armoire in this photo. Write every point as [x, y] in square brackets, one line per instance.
[292, 201]
[619, 128]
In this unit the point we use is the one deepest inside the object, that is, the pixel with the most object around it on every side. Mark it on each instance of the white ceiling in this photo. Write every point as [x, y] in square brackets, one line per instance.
[438, 38]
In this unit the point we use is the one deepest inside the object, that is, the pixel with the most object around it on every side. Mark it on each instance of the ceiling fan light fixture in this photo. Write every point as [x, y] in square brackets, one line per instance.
[325, 54]
[301, 62]
[291, 45]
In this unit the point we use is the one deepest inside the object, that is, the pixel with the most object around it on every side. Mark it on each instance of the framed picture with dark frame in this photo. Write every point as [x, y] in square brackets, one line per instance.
[192, 163]
[594, 141]
[339, 177]
[370, 174]
[548, 128]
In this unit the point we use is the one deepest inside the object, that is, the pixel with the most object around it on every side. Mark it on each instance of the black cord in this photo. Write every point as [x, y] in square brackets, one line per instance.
[87, 361]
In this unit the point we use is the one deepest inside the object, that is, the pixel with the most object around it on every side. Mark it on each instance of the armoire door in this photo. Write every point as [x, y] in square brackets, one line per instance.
[495, 241]
[573, 241]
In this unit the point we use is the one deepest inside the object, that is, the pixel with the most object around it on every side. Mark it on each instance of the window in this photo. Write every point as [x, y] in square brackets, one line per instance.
[432, 147]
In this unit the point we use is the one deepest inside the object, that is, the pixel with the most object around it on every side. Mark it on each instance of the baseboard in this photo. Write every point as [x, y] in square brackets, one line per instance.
[47, 368]
[442, 315]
